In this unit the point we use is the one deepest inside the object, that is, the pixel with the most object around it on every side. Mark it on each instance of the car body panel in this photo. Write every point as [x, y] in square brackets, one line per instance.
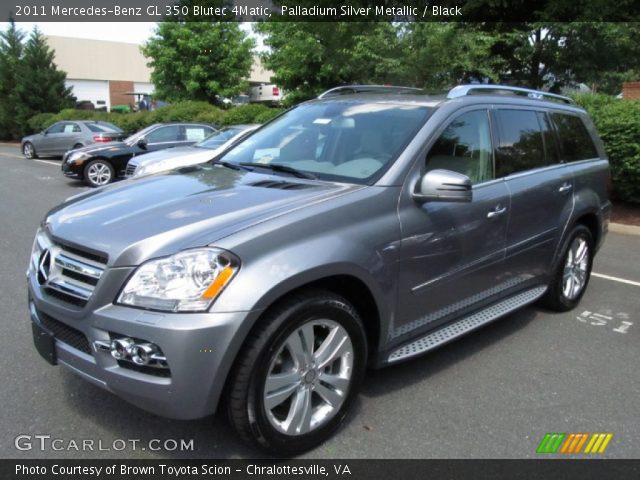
[423, 264]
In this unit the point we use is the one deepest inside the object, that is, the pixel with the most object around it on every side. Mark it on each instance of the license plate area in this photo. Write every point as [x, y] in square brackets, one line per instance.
[45, 343]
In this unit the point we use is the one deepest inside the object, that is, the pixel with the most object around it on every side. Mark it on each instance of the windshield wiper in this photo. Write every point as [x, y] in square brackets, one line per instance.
[277, 167]
[230, 165]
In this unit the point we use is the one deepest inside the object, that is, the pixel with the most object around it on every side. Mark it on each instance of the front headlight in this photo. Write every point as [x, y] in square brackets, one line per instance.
[150, 168]
[188, 281]
[77, 157]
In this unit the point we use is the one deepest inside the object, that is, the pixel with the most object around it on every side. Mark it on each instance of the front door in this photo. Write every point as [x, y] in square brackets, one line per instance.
[452, 254]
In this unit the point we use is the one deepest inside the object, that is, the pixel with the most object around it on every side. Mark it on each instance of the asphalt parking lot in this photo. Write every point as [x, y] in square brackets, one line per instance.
[493, 394]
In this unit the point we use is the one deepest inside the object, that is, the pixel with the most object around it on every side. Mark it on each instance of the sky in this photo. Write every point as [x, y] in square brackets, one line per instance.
[129, 32]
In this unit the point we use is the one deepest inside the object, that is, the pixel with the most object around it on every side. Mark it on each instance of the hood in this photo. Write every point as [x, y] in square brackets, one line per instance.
[97, 148]
[192, 154]
[135, 220]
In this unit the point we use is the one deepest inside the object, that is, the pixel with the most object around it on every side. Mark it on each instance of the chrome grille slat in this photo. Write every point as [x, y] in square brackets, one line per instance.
[66, 261]
[131, 169]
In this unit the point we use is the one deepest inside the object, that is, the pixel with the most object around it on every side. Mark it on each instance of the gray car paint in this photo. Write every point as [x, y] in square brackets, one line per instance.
[59, 143]
[415, 261]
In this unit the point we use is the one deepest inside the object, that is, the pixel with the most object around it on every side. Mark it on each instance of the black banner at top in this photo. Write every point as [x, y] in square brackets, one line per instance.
[320, 10]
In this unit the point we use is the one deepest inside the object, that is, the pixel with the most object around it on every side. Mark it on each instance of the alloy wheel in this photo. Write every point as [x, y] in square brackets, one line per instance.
[309, 377]
[576, 267]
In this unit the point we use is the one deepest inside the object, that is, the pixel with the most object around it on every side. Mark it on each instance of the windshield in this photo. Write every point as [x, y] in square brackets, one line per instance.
[218, 138]
[338, 141]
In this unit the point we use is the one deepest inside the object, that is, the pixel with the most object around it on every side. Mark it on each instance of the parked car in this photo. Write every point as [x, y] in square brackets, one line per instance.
[100, 165]
[178, 157]
[364, 228]
[66, 135]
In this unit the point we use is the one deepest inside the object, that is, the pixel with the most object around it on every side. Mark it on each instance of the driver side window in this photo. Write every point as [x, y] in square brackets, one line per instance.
[465, 147]
[56, 128]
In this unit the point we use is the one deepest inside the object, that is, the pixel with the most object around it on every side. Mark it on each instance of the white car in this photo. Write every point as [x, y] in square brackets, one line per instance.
[201, 152]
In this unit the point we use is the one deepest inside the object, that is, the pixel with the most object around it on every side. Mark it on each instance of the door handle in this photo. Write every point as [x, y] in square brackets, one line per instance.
[496, 212]
[565, 187]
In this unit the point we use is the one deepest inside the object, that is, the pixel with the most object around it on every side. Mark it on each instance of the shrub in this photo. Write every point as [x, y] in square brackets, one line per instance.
[618, 122]
[243, 114]
[40, 121]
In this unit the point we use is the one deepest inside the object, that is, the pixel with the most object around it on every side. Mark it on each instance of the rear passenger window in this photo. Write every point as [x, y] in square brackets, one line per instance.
[575, 141]
[465, 147]
[520, 143]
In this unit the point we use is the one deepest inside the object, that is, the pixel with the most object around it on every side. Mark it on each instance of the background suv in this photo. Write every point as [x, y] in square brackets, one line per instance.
[363, 228]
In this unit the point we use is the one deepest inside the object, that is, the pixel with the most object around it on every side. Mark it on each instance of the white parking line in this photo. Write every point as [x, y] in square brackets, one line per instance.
[49, 162]
[616, 279]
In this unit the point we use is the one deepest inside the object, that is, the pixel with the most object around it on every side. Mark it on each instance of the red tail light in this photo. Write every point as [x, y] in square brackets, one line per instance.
[275, 91]
[99, 139]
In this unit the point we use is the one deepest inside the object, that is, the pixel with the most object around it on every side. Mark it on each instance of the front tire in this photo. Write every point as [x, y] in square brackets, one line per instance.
[572, 274]
[298, 374]
[98, 173]
[29, 151]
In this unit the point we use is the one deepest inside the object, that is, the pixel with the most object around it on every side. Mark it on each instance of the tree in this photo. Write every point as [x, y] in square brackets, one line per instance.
[199, 60]
[42, 86]
[10, 56]
[442, 55]
[310, 57]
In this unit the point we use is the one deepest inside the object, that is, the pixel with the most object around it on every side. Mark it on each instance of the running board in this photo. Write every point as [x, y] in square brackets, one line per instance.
[466, 325]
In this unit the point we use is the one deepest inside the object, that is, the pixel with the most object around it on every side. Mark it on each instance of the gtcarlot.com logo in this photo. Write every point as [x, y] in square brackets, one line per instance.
[573, 443]
[51, 443]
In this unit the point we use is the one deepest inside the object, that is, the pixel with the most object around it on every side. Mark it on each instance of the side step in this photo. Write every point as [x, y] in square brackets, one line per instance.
[466, 325]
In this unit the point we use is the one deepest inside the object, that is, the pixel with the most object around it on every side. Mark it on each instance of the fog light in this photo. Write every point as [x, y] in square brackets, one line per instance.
[142, 354]
[120, 348]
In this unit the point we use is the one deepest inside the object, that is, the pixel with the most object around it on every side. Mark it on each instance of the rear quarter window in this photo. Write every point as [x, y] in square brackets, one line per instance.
[520, 143]
[575, 141]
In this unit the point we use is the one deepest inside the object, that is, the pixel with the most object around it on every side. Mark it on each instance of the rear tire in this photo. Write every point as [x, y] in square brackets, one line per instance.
[98, 173]
[572, 273]
[298, 374]
[29, 151]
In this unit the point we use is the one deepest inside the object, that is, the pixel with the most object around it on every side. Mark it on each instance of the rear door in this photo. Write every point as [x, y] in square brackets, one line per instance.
[541, 190]
[451, 254]
[70, 136]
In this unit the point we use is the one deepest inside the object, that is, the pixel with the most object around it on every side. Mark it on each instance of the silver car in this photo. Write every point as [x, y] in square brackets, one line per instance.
[201, 152]
[360, 229]
[67, 135]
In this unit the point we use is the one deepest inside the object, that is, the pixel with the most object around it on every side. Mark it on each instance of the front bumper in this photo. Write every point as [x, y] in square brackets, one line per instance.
[70, 170]
[199, 348]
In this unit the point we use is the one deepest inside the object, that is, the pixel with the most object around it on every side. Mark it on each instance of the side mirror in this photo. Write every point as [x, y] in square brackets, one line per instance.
[142, 143]
[443, 186]
[45, 132]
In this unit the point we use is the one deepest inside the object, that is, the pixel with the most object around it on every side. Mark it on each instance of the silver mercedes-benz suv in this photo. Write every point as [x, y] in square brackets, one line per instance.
[363, 228]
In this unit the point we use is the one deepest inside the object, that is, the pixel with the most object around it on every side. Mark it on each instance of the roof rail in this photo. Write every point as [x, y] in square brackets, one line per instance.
[366, 88]
[463, 90]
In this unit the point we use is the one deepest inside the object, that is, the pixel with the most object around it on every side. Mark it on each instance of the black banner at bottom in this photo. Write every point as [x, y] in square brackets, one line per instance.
[583, 469]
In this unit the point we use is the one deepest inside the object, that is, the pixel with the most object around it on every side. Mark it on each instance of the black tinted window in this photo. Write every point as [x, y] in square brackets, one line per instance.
[575, 141]
[465, 147]
[164, 134]
[520, 145]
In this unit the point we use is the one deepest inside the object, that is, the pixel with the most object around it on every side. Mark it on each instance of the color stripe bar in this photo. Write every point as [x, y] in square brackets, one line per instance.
[551, 442]
[605, 443]
[584, 439]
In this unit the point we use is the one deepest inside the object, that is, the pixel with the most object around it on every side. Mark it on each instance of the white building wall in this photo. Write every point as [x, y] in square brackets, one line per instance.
[93, 90]
[143, 87]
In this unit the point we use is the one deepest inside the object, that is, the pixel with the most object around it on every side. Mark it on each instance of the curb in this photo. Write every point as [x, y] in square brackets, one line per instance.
[624, 229]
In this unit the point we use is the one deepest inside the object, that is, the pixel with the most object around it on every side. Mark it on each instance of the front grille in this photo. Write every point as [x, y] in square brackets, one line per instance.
[131, 169]
[66, 273]
[65, 334]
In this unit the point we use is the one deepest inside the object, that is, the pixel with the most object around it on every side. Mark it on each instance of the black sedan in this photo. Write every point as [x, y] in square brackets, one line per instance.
[100, 165]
